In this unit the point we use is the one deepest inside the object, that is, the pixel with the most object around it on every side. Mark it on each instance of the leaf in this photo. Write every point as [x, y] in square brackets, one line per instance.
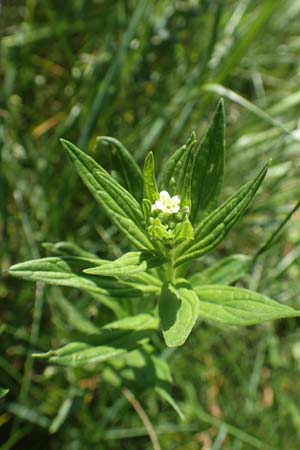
[150, 188]
[226, 271]
[178, 312]
[3, 392]
[213, 229]
[166, 396]
[130, 171]
[236, 306]
[65, 248]
[177, 173]
[114, 340]
[130, 263]
[68, 271]
[119, 205]
[208, 167]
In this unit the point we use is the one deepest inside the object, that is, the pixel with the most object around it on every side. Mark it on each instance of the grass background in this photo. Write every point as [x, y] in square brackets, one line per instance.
[147, 73]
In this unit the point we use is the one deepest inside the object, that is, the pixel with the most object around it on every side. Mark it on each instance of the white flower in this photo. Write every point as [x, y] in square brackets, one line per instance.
[166, 203]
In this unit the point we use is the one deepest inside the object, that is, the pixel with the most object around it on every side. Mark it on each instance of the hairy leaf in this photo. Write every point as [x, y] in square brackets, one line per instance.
[208, 167]
[119, 205]
[235, 306]
[130, 171]
[129, 264]
[177, 173]
[178, 311]
[68, 271]
[150, 188]
[65, 248]
[215, 227]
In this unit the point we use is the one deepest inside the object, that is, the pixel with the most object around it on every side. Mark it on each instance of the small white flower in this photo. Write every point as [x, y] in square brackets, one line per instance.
[166, 203]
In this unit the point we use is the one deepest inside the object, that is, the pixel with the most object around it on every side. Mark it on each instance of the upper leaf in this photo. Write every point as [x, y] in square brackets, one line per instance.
[120, 206]
[178, 312]
[130, 171]
[177, 173]
[129, 264]
[237, 306]
[150, 188]
[213, 229]
[209, 167]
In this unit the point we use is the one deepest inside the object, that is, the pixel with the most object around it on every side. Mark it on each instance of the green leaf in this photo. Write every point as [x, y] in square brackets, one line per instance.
[130, 263]
[66, 248]
[3, 392]
[213, 229]
[150, 188]
[226, 271]
[68, 271]
[178, 312]
[235, 306]
[208, 167]
[114, 340]
[130, 171]
[177, 174]
[119, 205]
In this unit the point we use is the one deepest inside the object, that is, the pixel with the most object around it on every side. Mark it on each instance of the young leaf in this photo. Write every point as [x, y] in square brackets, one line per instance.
[215, 227]
[129, 264]
[150, 188]
[178, 312]
[235, 306]
[177, 174]
[130, 171]
[226, 271]
[68, 271]
[208, 167]
[114, 340]
[120, 206]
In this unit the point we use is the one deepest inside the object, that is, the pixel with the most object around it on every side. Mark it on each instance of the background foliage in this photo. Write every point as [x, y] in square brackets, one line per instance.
[147, 73]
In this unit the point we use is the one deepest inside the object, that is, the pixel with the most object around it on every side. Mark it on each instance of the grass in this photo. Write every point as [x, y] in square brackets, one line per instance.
[146, 73]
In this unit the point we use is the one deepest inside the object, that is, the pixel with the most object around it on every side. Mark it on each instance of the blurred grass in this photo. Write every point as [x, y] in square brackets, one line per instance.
[147, 73]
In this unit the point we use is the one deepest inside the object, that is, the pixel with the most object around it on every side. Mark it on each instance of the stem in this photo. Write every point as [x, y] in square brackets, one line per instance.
[170, 273]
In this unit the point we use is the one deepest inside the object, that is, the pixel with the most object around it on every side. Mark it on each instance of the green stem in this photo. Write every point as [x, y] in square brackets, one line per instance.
[170, 273]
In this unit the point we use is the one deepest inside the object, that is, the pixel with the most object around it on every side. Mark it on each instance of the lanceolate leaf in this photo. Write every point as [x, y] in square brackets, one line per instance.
[178, 311]
[235, 306]
[214, 228]
[65, 248]
[129, 264]
[114, 340]
[177, 174]
[150, 188]
[226, 271]
[208, 167]
[120, 206]
[130, 171]
[68, 271]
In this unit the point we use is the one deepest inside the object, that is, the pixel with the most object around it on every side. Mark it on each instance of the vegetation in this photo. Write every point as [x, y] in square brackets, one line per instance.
[147, 73]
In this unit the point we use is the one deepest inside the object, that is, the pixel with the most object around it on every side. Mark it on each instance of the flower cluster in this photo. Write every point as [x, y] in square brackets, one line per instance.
[168, 221]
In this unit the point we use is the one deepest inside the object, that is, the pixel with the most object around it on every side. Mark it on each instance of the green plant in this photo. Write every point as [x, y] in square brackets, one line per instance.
[170, 225]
